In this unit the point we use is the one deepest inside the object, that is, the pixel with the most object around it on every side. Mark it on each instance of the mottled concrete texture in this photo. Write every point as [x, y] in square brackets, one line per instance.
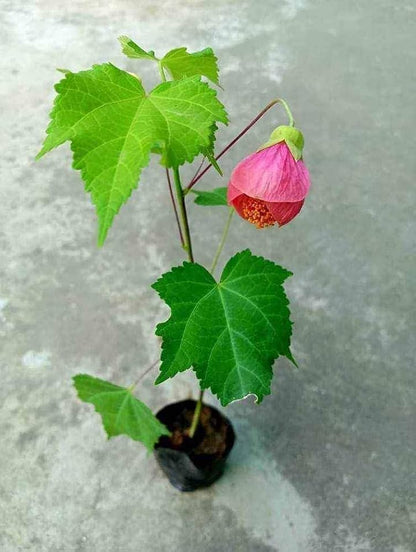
[327, 462]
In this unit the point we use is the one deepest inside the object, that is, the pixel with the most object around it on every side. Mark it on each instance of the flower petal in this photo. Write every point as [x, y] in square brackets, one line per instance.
[272, 174]
[284, 212]
[232, 193]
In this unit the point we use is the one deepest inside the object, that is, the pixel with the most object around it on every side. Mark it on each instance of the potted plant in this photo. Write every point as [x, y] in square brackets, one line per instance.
[228, 330]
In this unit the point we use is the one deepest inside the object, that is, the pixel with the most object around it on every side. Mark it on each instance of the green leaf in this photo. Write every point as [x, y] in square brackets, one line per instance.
[218, 196]
[121, 412]
[208, 152]
[231, 331]
[210, 155]
[132, 50]
[180, 63]
[113, 126]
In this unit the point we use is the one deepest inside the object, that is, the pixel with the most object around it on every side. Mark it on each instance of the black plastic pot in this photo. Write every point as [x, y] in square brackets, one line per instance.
[186, 466]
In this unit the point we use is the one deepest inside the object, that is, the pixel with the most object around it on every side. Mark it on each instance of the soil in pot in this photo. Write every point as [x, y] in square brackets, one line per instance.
[198, 462]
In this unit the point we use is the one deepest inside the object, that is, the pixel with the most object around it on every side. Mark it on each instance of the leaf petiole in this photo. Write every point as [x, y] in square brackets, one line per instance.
[222, 241]
[142, 375]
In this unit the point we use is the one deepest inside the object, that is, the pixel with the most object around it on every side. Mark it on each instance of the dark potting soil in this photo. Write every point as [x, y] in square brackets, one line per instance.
[209, 442]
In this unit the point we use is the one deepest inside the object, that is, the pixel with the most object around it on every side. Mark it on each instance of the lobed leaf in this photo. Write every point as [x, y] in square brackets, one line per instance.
[132, 50]
[121, 412]
[230, 332]
[181, 63]
[113, 126]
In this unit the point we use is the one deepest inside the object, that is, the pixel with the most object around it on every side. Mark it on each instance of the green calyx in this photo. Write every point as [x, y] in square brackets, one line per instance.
[291, 135]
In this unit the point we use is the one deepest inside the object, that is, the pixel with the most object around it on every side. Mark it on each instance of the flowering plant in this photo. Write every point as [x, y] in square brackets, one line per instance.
[231, 330]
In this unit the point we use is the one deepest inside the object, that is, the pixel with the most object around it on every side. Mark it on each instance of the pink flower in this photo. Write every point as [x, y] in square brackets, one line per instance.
[270, 186]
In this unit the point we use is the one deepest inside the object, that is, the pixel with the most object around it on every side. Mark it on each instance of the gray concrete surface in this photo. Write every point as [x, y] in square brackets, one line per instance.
[327, 463]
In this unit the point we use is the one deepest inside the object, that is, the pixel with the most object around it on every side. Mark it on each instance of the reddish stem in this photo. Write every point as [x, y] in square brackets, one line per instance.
[198, 169]
[230, 145]
[144, 374]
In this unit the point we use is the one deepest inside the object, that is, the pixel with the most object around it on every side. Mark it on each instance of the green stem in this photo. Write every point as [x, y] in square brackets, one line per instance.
[197, 411]
[222, 241]
[175, 209]
[188, 247]
[183, 214]
[287, 109]
[197, 414]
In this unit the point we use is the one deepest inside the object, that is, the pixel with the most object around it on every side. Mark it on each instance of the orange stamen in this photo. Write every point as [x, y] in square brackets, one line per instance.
[256, 212]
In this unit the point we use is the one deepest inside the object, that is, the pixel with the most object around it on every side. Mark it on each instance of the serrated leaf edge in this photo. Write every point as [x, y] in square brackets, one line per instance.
[239, 256]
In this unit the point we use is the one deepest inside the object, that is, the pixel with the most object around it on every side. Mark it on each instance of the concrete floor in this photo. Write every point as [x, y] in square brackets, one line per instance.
[327, 462]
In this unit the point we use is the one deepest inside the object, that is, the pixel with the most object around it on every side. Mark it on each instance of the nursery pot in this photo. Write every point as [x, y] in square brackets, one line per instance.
[193, 463]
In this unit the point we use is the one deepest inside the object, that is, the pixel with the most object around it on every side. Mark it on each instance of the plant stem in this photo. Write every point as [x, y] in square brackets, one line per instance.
[183, 214]
[287, 109]
[188, 247]
[222, 241]
[244, 131]
[197, 411]
[180, 194]
[175, 209]
[197, 414]
[197, 171]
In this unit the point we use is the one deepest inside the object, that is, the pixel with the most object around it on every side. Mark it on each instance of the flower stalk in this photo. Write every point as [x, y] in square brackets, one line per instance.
[184, 223]
[200, 174]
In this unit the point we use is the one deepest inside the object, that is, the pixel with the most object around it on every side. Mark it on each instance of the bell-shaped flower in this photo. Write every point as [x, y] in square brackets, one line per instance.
[270, 185]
